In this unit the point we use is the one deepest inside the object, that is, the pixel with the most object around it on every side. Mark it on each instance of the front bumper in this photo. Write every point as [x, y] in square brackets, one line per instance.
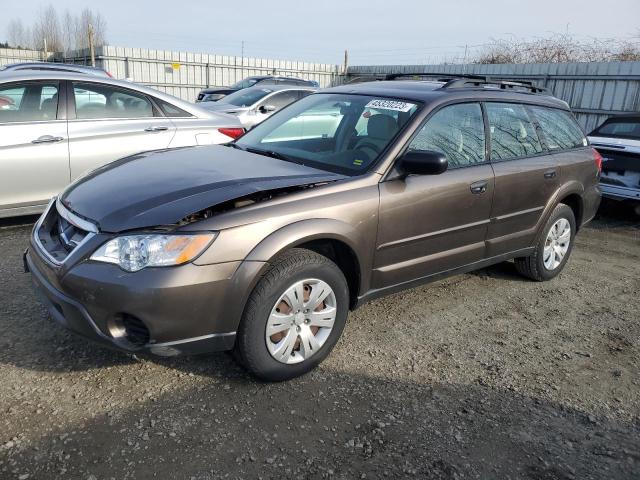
[187, 309]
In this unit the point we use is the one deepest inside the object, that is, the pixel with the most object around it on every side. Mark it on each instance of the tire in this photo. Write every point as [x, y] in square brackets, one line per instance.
[534, 266]
[259, 353]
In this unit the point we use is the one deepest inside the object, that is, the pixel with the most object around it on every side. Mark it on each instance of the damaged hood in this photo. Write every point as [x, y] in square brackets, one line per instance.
[163, 187]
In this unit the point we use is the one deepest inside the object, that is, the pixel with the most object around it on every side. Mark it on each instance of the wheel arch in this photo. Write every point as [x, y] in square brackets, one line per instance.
[570, 193]
[334, 239]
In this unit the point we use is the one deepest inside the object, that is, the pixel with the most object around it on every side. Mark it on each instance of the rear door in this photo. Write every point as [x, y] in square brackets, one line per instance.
[526, 177]
[435, 223]
[111, 122]
[34, 156]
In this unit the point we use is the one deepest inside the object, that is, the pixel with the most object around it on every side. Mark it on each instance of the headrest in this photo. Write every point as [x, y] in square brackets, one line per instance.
[381, 126]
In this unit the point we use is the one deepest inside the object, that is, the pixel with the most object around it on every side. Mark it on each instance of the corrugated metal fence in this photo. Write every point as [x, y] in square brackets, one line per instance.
[594, 91]
[182, 74]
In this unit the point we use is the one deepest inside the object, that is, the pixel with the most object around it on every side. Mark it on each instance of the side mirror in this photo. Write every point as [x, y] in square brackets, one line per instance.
[267, 109]
[423, 162]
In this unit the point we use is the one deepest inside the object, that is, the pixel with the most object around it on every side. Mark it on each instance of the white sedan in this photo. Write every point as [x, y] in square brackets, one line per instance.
[54, 126]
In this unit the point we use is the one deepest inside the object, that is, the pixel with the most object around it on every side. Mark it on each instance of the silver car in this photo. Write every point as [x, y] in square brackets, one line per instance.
[54, 126]
[55, 67]
[255, 104]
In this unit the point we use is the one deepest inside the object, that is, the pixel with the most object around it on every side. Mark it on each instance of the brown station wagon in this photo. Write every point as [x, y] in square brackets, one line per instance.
[352, 193]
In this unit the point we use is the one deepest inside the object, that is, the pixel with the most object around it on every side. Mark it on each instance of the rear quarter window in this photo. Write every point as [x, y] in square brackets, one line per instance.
[559, 128]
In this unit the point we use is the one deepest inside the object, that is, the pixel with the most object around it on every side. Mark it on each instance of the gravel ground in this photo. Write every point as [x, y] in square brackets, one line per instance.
[484, 375]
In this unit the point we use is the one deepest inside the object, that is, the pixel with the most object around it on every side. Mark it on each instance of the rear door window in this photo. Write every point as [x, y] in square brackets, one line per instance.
[559, 128]
[95, 101]
[458, 132]
[29, 102]
[512, 133]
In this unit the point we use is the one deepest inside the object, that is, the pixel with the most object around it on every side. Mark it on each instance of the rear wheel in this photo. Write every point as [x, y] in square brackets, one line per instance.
[294, 316]
[553, 247]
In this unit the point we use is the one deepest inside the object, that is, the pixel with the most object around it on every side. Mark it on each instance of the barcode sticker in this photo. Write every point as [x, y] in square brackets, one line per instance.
[396, 105]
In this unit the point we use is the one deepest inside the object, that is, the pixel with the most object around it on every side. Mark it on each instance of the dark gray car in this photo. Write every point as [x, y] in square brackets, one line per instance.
[347, 195]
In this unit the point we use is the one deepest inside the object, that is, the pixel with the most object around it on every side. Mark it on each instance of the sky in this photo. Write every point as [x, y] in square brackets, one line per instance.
[373, 31]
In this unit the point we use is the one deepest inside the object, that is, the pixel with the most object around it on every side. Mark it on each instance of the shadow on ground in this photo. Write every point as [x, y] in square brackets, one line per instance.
[334, 425]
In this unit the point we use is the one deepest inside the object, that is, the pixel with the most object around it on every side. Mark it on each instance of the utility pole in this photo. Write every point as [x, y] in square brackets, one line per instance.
[242, 60]
[45, 49]
[346, 62]
[464, 67]
[91, 48]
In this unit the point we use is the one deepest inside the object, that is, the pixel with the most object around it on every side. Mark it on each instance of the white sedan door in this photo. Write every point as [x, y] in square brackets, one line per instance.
[111, 123]
[34, 157]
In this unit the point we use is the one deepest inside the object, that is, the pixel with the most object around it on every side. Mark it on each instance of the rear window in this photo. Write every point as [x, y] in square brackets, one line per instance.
[245, 98]
[559, 128]
[620, 128]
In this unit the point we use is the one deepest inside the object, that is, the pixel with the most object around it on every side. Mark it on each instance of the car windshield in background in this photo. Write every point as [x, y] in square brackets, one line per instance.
[619, 128]
[246, 83]
[335, 132]
[245, 98]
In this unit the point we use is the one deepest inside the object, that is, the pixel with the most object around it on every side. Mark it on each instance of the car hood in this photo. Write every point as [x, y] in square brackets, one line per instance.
[163, 187]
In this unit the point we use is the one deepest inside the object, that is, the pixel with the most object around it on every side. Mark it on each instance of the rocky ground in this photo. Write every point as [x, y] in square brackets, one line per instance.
[484, 375]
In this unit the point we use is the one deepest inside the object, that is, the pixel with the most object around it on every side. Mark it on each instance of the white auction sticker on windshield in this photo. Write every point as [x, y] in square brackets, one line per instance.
[390, 105]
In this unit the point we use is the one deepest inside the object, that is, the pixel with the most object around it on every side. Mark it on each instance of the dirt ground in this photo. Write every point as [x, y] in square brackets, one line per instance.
[484, 375]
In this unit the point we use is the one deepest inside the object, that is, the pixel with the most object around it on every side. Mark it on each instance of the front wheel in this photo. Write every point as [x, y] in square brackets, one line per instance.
[294, 316]
[553, 247]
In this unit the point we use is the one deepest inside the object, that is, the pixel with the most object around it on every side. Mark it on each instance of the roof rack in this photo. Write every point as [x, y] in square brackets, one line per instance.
[435, 76]
[494, 82]
[454, 80]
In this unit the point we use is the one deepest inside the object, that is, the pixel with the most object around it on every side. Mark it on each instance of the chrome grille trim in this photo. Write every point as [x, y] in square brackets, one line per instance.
[74, 219]
[71, 218]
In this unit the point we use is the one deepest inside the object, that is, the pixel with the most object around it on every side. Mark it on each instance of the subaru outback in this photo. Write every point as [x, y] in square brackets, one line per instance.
[262, 247]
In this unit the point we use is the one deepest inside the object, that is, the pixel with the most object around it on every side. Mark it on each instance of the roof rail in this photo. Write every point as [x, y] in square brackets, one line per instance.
[455, 80]
[435, 76]
[494, 82]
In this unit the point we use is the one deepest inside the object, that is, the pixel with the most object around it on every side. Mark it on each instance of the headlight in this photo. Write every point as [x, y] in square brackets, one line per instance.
[135, 252]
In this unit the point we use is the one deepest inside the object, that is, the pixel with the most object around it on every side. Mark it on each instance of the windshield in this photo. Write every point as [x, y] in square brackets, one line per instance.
[622, 128]
[245, 98]
[335, 132]
[246, 83]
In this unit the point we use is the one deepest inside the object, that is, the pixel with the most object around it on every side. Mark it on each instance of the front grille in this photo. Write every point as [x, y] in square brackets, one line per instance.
[57, 234]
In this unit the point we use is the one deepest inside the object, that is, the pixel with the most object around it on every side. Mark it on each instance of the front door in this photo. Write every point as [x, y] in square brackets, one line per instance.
[111, 123]
[435, 223]
[34, 156]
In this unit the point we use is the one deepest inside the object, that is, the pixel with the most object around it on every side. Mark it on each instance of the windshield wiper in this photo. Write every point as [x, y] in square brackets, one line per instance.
[234, 145]
[273, 154]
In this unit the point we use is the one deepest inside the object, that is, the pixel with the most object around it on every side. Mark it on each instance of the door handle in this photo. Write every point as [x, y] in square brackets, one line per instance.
[550, 174]
[479, 187]
[157, 128]
[47, 139]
